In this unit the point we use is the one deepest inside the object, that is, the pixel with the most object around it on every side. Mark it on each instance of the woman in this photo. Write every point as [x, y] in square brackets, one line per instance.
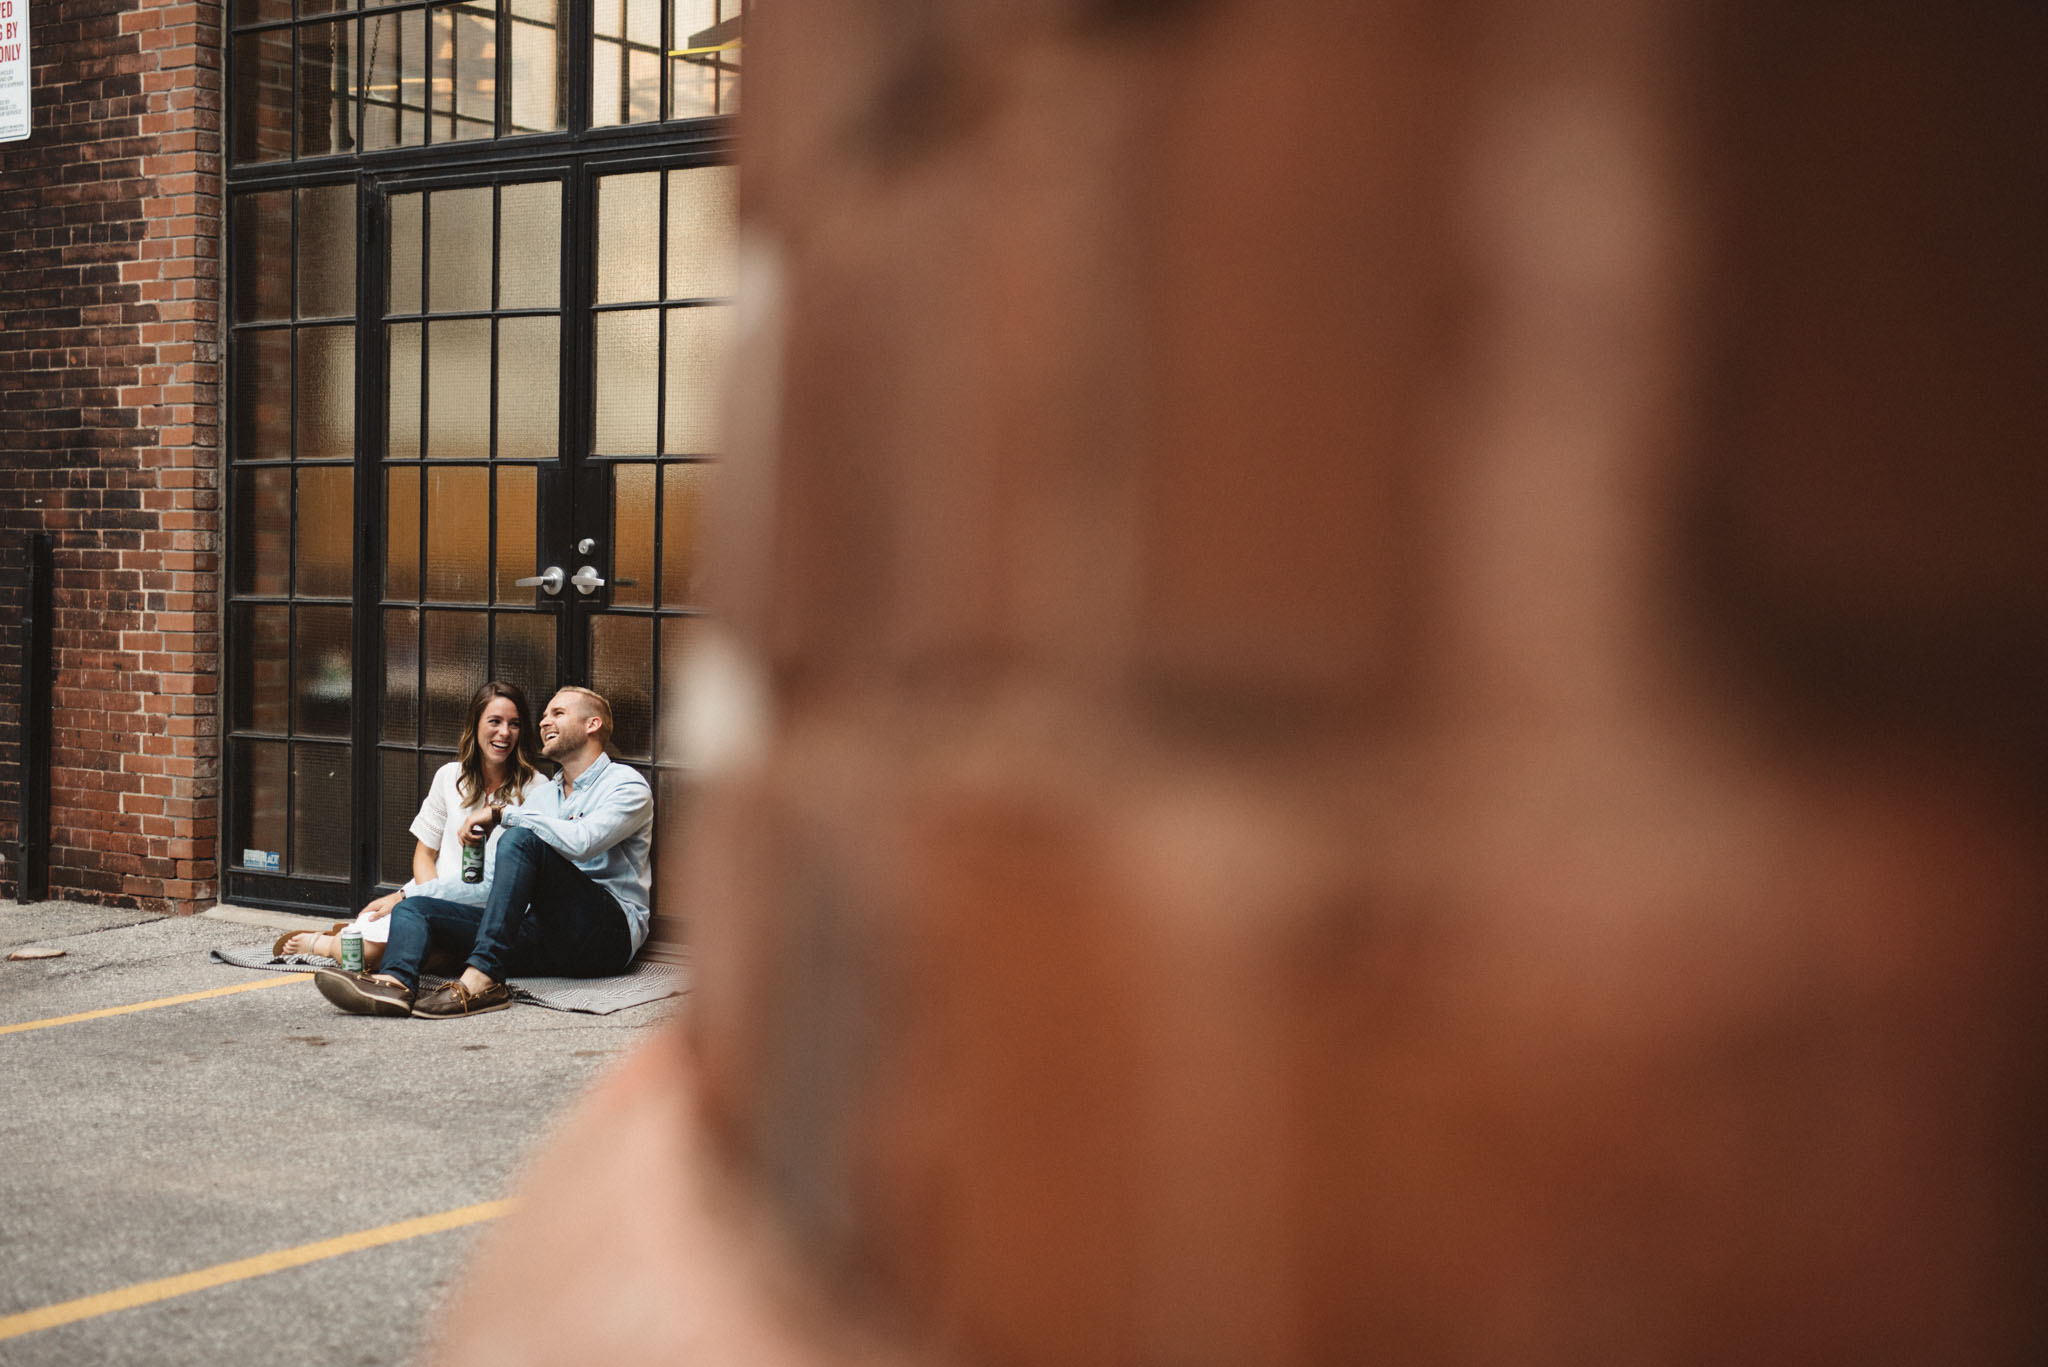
[494, 762]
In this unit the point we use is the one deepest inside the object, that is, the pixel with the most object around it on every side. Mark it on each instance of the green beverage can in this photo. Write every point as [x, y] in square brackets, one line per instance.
[473, 862]
[352, 949]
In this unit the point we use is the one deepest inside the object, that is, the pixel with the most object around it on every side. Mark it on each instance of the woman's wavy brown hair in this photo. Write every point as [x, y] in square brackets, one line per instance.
[525, 755]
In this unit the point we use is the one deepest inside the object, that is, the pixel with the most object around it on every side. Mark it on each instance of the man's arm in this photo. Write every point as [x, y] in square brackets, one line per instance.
[624, 808]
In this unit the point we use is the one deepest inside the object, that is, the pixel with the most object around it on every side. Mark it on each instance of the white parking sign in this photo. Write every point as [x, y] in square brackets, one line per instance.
[13, 70]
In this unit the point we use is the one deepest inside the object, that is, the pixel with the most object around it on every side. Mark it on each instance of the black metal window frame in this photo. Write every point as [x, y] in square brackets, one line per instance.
[578, 156]
[578, 131]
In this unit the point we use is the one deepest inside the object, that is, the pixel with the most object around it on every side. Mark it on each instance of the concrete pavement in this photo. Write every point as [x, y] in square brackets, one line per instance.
[147, 1145]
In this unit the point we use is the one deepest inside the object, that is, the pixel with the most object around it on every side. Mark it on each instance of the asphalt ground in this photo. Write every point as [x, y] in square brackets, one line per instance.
[241, 1131]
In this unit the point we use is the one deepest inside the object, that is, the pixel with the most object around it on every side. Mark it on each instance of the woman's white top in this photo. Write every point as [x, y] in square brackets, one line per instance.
[433, 828]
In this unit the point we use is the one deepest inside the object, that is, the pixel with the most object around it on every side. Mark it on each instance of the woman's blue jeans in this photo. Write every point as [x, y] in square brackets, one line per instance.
[543, 916]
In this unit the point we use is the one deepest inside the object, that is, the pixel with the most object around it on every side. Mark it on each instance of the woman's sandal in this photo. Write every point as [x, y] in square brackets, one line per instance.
[278, 950]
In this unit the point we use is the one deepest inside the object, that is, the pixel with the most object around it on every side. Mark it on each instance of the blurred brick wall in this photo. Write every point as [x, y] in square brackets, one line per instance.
[1401, 648]
[1296, 829]
[110, 216]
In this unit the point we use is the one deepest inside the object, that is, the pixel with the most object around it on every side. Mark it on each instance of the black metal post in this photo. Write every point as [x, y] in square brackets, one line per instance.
[33, 807]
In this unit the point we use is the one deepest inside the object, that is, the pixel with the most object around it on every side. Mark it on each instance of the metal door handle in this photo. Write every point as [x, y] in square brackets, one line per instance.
[549, 580]
[585, 579]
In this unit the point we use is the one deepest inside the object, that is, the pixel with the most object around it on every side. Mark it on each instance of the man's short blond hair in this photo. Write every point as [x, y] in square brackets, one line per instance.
[598, 705]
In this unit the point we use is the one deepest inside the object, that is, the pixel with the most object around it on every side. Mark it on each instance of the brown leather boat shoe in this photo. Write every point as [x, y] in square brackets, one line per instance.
[361, 994]
[452, 999]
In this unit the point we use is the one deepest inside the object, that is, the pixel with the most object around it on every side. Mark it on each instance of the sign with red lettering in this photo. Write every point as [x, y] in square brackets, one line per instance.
[14, 118]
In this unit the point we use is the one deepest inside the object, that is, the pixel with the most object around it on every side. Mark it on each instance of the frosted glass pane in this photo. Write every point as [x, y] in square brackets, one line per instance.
[262, 668]
[440, 80]
[643, 22]
[263, 530]
[400, 707]
[395, 99]
[259, 11]
[524, 654]
[518, 548]
[699, 342]
[628, 227]
[693, 88]
[607, 77]
[402, 372]
[327, 251]
[327, 393]
[465, 84]
[530, 222]
[256, 823]
[622, 668]
[263, 238]
[402, 533]
[321, 815]
[529, 383]
[459, 257]
[456, 657]
[703, 208]
[262, 101]
[678, 634]
[397, 804]
[321, 680]
[459, 389]
[263, 395]
[632, 577]
[672, 794]
[326, 558]
[327, 77]
[539, 70]
[403, 273]
[643, 76]
[625, 383]
[458, 534]
[682, 503]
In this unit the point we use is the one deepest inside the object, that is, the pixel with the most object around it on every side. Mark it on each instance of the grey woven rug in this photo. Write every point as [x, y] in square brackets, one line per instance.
[646, 981]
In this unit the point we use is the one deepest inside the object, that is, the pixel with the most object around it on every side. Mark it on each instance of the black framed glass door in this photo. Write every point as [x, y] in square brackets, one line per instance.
[472, 361]
[542, 483]
[480, 256]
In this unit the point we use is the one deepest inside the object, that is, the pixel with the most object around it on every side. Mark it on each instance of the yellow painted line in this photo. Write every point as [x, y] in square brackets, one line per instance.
[160, 1001]
[146, 1293]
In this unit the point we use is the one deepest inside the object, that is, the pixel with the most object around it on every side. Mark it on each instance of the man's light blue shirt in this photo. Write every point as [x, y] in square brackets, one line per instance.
[604, 826]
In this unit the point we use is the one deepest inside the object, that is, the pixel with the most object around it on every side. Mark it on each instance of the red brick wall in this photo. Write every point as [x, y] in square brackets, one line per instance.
[109, 370]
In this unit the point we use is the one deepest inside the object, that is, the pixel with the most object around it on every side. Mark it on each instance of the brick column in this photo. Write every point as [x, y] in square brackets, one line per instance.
[109, 381]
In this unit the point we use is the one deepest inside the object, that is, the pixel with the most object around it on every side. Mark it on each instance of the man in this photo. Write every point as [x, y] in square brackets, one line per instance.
[569, 898]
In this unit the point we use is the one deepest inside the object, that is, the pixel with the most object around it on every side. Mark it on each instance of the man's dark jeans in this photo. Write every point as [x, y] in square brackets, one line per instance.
[544, 916]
